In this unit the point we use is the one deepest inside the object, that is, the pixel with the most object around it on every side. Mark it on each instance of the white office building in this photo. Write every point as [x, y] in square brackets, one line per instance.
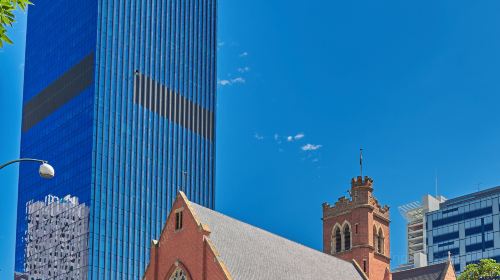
[415, 215]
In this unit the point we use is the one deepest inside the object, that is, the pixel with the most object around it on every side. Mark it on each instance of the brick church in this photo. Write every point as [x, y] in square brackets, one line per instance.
[199, 243]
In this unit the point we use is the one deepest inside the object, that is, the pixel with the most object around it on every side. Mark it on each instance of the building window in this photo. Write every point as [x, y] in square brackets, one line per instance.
[179, 274]
[445, 237]
[347, 237]
[380, 242]
[178, 220]
[364, 266]
[375, 239]
[337, 240]
[356, 228]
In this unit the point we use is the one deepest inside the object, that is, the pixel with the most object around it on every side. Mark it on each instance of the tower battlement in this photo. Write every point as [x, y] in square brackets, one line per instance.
[362, 182]
[360, 195]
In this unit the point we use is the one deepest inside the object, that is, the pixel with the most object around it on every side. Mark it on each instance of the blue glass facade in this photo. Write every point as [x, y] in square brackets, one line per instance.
[119, 97]
[468, 227]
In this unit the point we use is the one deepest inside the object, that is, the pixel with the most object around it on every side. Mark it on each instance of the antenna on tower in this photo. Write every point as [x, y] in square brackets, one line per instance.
[361, 162]
[436, 182]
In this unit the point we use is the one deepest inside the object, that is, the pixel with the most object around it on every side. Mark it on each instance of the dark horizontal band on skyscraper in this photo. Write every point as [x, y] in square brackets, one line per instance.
[59, 92]
[160, 99]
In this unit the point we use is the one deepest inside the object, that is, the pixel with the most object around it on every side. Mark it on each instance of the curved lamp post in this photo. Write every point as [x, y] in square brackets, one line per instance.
[46, 170]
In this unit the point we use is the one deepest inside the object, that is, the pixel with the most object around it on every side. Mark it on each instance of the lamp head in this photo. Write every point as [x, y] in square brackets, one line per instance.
[46, 171]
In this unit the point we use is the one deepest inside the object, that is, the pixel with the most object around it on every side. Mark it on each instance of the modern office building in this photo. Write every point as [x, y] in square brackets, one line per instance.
[57, 238]
[119, 96]
[467, 227]
[414, 214]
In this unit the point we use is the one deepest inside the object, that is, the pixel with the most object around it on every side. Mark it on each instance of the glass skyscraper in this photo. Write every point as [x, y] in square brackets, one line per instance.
[467, 228]
[119, 96]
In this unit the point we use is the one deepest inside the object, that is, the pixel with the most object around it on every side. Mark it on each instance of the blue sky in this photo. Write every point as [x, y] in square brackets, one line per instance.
[415, 83]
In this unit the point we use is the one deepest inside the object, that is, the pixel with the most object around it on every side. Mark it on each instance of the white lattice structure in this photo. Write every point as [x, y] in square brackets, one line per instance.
[57, 238]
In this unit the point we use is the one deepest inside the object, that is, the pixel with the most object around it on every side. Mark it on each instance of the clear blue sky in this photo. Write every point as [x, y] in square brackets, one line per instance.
[416, 83]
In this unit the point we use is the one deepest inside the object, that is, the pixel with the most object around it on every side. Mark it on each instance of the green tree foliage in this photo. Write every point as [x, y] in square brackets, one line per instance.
[486, 269]
[7, 18]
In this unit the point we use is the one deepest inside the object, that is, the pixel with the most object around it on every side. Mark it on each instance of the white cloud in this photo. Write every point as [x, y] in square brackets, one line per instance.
[237, 80]
[295, 138]
[243, 54]
[311, 147]
[299, 136]
[258, 136]
[224, 82]
[243, 69]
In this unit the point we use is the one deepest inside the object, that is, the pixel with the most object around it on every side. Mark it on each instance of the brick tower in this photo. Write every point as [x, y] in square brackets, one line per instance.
[357, 228]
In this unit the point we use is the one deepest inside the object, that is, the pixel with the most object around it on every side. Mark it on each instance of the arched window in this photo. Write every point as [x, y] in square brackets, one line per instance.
[380, 241]
[337, 237]
[179, 274]
[347, 237]
[375, 239]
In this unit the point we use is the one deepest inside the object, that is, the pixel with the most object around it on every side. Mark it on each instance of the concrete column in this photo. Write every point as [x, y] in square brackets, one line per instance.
[496, 223]
[461, 236]
[463, 263]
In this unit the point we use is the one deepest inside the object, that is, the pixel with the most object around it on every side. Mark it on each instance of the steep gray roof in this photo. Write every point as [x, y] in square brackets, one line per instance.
[431, 272]
[252, 253]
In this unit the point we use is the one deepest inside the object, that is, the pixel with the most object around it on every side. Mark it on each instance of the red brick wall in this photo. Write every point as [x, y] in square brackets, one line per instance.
[187, 247]
[381, 262]
[378, 266]
[361, 217]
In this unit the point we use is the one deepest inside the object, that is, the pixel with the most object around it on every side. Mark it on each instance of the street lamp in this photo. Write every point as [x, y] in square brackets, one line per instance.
[46, 171]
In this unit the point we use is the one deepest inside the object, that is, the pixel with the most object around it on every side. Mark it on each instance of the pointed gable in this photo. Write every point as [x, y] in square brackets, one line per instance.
[182, 246]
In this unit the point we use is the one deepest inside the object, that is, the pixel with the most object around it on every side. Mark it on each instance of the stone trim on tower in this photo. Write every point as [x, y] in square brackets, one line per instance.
[346, 236]
[341, 237]
[337, 239]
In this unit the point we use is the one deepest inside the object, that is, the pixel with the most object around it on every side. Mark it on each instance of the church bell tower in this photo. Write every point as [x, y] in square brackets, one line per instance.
[357, 228]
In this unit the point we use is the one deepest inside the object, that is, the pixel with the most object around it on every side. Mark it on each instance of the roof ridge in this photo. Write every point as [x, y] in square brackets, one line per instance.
[422, 267]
